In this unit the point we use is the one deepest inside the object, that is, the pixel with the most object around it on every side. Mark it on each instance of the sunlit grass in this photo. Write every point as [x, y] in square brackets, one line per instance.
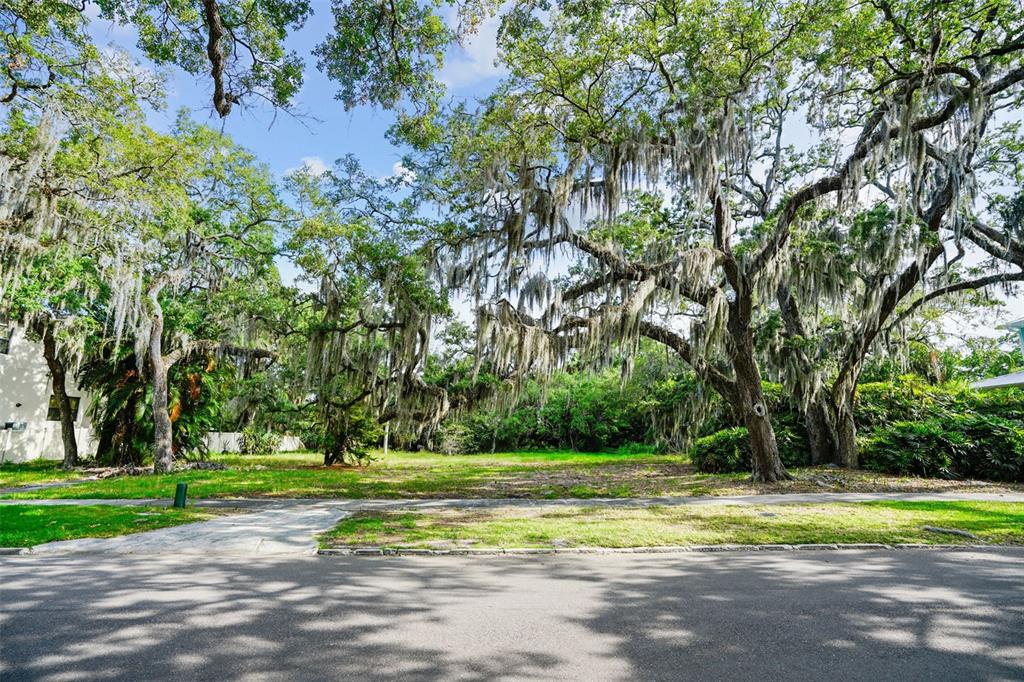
[28, 525]
[529, 474]
[398, 474]
[36, 471]
[873, 522]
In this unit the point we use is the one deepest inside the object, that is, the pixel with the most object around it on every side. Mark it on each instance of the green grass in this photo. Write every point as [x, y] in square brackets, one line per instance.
[29, 473]
[530, 474]
[876, 522]
[25, 525]
[400, 474]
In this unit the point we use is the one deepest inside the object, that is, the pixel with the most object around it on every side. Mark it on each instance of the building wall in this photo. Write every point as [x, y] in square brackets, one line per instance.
[25, 391]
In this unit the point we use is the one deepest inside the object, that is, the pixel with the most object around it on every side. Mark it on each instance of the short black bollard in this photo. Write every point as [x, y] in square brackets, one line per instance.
[179, 495]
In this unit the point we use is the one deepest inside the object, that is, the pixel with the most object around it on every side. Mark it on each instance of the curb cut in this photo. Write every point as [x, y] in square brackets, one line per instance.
[8, 551]
[691, 549]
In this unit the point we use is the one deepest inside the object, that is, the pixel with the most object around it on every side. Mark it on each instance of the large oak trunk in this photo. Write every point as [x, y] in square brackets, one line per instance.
[844, 396]
[67, 418]
[846, 438]
[820, 432]
[767, 465]
[163, 454]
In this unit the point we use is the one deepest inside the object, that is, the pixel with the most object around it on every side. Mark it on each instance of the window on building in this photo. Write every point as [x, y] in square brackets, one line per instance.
[5, 338]
[53, 413]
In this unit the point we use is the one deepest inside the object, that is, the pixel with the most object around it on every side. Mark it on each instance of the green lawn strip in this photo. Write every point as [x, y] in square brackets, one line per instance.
[530, 474]
[36, 471]
[592, 526]
[416, 475]
[25, 525]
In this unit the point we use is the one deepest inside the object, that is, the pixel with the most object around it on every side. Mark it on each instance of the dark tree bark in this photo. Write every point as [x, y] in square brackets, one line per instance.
[749, 401]
[58, 373]
[820, 432]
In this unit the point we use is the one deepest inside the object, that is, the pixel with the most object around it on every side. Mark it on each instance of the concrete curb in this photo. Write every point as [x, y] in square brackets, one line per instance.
[687, 549]
[7, 551]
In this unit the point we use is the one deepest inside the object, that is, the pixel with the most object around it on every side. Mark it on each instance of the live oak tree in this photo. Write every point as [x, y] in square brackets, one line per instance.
[364, 310]
[752, 122]
[70, 165]
[928, 86]
[201, 256]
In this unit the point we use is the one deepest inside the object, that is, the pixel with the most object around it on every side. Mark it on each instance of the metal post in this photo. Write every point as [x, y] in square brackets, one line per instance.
[179, 495]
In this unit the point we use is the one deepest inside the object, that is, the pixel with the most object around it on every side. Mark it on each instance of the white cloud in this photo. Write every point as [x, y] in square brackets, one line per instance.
[104, 27]
[312, 164]
[398, 170]
[475, 60]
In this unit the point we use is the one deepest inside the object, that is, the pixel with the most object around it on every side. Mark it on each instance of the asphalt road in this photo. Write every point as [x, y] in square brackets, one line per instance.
[871, 615]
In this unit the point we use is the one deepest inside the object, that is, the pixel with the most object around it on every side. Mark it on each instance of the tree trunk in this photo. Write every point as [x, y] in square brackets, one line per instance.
[844, 392]
[105, 446]
[821, 418]
[846, 435]
[767, 466]
[848, 440]
[163, 453]
[67, 418]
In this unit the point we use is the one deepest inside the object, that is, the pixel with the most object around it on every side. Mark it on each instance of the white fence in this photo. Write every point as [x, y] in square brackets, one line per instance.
[41, 440]
[230, 441]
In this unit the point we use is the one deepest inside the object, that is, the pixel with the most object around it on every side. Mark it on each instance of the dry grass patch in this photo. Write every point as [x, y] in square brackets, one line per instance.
[593, 526]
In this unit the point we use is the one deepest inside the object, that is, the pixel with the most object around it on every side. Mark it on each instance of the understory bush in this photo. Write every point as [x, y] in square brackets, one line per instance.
[964, 446]
[728, 450]
[258, 441]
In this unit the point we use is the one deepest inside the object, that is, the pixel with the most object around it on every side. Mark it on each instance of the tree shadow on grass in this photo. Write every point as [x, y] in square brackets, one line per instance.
[765, 616]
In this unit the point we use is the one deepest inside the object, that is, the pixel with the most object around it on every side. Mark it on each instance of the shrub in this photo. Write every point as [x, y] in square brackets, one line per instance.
[725, 451]
[967, 445]
[455, 438]
[924, 448]
[728, 450]
[996, 450]
[255, 441]
[908, 398]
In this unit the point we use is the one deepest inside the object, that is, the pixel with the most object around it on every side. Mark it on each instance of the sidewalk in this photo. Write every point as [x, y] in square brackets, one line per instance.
[290, 526]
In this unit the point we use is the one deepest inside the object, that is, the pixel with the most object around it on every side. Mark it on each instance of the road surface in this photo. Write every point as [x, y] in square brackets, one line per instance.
[870, 615]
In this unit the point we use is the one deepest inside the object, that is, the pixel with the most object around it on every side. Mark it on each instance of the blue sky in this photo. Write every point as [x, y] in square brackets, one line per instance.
[326, 131]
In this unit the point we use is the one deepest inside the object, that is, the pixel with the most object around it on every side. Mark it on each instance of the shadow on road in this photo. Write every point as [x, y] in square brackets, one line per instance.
[799, 615]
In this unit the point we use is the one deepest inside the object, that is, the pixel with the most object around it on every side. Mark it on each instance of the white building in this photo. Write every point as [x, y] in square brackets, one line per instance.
[1013, 379]
[29, 420]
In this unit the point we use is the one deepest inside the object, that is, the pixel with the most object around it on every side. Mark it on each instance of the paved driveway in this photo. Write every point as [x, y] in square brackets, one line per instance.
[905, 615]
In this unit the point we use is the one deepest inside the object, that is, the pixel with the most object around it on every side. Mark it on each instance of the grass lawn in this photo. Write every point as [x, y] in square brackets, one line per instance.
[37, 471]
[24, 525]
[538, 475]
[507, 527]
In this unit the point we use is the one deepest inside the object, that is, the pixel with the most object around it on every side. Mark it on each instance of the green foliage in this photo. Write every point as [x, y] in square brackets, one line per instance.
[258, 441]
[925, 448]
[964, 446]
[974, 359]
[344, 436]
[123, 413]
[725, 451]
[380, 52]
[728, 450]
[912, 399]
[252, 59]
